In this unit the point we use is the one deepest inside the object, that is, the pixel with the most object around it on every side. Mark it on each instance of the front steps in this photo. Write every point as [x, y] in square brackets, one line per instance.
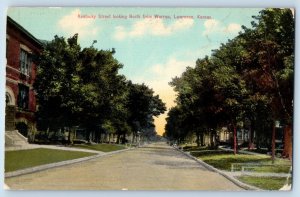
[15, 139]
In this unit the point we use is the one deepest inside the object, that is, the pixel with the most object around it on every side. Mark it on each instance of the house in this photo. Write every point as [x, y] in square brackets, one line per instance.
[20, 75]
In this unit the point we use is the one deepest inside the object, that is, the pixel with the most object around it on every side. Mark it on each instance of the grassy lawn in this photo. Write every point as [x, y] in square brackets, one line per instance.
[194, 148]
[21, 159]
[266, 183]
[223, 160]
[100, 147]
[210, 153]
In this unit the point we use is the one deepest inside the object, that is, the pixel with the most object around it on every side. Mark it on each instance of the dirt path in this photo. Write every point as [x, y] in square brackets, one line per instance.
[155, 167]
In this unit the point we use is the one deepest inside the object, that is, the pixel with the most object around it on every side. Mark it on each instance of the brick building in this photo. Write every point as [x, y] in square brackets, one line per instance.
[20, 75]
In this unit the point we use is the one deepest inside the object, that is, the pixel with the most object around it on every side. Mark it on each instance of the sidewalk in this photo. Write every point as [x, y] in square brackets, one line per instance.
[242, 151]
[257, 174]
[59, 147]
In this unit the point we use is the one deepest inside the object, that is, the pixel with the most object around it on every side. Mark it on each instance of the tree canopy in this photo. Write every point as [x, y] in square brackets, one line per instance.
[248, 78]
[82, 87]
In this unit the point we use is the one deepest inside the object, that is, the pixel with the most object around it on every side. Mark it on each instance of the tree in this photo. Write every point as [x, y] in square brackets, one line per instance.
[82, 87]
[104, 88]
[78, 87]
[54, 83]
[248, 78]
[173, 128]
[272, 40]
[196, 100]
[142, 106]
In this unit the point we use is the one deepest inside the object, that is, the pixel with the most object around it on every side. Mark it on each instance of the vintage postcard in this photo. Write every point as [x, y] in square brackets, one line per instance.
[140, 98]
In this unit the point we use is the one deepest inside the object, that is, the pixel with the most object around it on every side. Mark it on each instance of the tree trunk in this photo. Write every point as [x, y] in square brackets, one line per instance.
[251, 136]
[124, 138]
[109, 135]
[96, 137]
[288, 142]
[198, 138]
[217, 139]
[118, 139]
[132, 139]
[273, 142]
[211, 139]
[202, 139]
[250, 139]
[69, 135]
[234, 140]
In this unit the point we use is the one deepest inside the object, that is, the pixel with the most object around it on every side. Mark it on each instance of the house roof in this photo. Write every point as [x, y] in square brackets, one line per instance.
[24, 31]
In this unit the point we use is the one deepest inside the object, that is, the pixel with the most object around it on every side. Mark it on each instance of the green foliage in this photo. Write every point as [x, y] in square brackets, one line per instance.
[143, 105]
[249, 77]
[266, 183]
[271, 42]
[223, 160]
[194, 148]
[108, 126]
[82, 87]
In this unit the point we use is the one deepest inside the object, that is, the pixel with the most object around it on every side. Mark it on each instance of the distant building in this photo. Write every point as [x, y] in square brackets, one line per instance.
[20, 75]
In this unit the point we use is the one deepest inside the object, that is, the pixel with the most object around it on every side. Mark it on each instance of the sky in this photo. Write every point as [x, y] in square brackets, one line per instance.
[153, 44]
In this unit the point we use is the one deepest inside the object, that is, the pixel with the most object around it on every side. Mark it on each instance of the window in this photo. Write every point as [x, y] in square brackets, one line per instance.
[7, 98]
[25, 62]
[23, 97]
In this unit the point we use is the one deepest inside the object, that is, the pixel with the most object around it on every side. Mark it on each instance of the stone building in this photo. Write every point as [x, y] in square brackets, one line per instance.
[20, 75]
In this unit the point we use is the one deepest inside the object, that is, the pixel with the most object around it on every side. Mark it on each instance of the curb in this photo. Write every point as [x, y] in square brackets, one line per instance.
[230, 178]
[59, 164]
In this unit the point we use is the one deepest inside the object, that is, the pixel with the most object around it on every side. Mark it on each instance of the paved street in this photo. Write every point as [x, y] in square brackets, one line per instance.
[154, 167]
